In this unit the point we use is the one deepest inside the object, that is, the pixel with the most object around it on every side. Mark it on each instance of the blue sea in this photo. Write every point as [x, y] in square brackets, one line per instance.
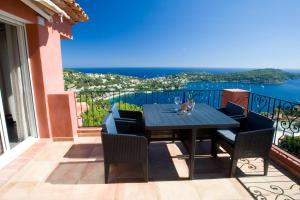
[289, 91]
[151, 72]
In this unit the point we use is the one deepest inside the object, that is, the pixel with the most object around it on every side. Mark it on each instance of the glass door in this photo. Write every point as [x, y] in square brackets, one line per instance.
[18, 122]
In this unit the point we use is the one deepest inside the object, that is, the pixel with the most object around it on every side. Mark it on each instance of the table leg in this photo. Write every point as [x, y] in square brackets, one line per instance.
[192, 148]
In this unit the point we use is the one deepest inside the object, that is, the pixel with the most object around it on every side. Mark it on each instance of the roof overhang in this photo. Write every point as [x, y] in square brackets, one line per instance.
[37, 9]
[53, 7]
[66, 9]
[73, 9]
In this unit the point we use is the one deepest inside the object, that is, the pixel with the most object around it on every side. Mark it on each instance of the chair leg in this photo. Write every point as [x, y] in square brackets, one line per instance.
[148, 136]
[146, 171]
[106, 171]
[266, 166]
[233, 166]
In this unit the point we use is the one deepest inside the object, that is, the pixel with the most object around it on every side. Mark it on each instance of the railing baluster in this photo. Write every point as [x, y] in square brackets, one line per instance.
[220, 98]
[214, 99]
[268, 109]
[252, 102]
[75, 99]
[87, 105]
[93, 114]
[113, 97]
[277, 119]
[273, 111]
[81, 109]
[125, 100]
[152, 96]
[119, 98]
[146, 97]
[208, 98]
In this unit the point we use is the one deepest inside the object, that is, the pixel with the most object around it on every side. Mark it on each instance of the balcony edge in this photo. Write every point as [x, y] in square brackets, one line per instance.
[286, 160]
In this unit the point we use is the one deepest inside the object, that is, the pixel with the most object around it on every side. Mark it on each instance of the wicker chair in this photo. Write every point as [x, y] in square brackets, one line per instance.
[253, 139]
[233, 110]
[120, 145]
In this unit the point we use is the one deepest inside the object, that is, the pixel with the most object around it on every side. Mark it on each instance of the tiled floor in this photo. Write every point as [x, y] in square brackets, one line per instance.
[74, 170]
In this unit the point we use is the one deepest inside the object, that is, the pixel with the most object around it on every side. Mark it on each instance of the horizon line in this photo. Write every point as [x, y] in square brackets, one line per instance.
[195, 67]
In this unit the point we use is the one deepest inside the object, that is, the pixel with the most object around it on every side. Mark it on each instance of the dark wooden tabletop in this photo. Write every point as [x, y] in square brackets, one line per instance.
[164, 117]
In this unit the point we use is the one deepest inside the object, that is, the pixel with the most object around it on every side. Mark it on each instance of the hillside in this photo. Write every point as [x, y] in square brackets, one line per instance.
[261, 76]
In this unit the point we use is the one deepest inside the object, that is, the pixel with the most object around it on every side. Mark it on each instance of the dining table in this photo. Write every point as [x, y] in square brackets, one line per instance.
[167, 117]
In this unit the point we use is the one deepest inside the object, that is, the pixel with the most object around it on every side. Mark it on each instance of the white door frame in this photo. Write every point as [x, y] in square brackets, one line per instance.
[3, 131]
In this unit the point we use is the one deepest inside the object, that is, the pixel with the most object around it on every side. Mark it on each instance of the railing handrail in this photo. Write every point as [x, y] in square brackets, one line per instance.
[142, 90]
[275, 98]
[183, 90]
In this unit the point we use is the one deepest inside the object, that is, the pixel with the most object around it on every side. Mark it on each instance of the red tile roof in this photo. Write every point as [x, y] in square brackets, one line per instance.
[72, 9]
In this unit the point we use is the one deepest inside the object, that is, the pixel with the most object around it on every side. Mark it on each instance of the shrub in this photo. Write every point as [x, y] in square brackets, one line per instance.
[98, 110]
[127, 106]
[291, 144]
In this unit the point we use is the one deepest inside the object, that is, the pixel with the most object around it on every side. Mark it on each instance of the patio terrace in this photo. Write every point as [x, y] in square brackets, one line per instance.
[74, 170]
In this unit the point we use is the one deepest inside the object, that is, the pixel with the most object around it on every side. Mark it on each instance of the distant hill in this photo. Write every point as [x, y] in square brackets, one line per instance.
[264, 76]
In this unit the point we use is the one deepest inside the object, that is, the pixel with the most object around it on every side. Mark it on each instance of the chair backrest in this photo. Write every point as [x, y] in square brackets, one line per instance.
[256, 136]
[233, 109]
[255, 121]
[109, 125]
[114, 110]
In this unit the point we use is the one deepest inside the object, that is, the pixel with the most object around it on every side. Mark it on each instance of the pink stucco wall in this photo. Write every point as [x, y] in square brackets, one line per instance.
[49, 68]
[17, 8]
[44, 45]
[51, 60]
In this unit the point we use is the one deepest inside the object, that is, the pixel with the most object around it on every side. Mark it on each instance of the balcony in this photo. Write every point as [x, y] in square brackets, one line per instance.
[74, 169]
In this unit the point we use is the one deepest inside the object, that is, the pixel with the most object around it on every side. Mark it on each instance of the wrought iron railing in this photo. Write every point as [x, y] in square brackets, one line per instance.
[92, 106]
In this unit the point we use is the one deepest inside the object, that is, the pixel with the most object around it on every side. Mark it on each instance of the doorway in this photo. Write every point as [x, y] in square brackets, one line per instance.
[16, 103]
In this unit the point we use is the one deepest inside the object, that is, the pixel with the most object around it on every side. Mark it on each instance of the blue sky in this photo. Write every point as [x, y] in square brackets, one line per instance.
[186, 33]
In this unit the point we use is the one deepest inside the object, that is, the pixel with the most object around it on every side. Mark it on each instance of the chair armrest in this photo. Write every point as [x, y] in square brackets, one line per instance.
[126, 119]
[254, 143]
[124, 148]
[237, 117]
[131, 114]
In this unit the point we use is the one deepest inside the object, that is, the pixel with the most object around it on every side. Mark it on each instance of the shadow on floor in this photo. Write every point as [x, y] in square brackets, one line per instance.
[80, 172]
[85, 151]
[166, 163]
[278, 184]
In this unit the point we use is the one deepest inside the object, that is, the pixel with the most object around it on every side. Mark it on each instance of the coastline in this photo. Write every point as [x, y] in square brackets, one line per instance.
[277, 84]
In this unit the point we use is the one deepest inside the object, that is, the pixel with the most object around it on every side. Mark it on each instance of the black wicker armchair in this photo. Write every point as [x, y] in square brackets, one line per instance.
[121, 145]
[253, 139]
[233, 110]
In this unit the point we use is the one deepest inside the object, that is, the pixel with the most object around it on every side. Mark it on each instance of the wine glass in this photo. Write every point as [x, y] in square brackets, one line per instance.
[177, 101]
